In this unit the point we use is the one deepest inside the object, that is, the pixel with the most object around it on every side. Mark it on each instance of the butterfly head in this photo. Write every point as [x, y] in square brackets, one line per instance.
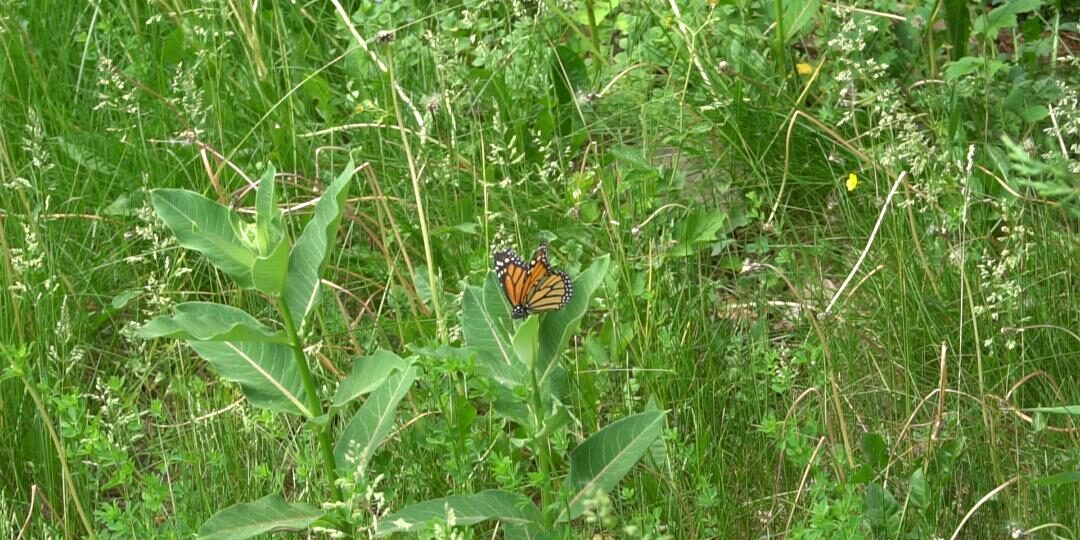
[519, 311]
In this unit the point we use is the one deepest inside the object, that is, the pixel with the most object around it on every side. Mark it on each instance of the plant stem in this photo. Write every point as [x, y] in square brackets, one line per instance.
[543, 451]
[329, 464]
[781, 61]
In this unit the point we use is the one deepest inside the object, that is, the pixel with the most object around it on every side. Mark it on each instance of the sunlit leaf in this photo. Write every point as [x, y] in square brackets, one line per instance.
[598, 464]
[208, 227]
[312, 249]
[268, 514]
[266, 372]
[372, 423]
[368, 372]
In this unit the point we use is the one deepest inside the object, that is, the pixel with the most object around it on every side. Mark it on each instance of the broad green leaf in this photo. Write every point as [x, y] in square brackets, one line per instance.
[266, 372]
[1067, 477]
[699, 227]
[312, 249]
[962, 66]
[600, 10]
[207, 321]
[525, 342]
[971, 64]
[512, 509]
[599, 463]
[658, 452]
[881, 506]
[526, 532]
[1004, 16]
[797, 15]
[557, 327]
[208, 227]
[268, 514]
[874, 449]
[372, 423]
[368, 372]
[268, 272]
[486, 328]
[918, 491]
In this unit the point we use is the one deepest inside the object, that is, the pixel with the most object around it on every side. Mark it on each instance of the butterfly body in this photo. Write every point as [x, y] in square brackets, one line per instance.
[531, 287]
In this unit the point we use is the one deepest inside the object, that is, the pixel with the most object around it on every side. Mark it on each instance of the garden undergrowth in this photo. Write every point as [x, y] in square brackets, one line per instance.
[835, 250]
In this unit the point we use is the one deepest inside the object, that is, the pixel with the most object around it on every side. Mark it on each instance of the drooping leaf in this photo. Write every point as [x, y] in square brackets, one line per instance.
[207, 321]
[268, 273]
[525, 342]
[266, 372]
[372, 423]
[208, 227]
[268, 514]
[312, 249]
[1073, 410]
[511, 509]
[1067, 477]
[368, 372]
[698, 228]
[599, 463]
[875, 452]
[918, 491]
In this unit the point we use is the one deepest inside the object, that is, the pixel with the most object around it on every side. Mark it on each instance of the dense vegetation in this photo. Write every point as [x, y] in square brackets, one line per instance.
[826, 266]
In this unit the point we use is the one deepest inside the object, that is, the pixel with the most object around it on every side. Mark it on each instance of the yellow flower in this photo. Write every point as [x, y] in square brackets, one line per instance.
[852, 182]
[803, 68]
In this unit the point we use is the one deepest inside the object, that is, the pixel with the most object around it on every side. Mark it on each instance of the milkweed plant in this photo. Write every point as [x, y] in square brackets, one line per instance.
[269, 363]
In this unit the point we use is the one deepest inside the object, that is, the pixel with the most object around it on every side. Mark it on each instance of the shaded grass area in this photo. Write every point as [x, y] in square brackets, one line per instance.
[666, 149]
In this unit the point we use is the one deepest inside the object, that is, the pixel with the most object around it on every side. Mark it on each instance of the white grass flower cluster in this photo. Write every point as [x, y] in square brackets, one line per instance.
[503, 149]
[161, 270]
[1001, 272]
[34, 142]
[206, 26]
[190, 98]
[864, 80]
[447, 531]
[1066, 127]
[114, 93]
[28, 264]
[551, 168]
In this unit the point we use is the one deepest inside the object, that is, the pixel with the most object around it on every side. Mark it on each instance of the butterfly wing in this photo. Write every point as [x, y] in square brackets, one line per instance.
[552, 291]
[513, 274]
[539, 267]
[532, 287]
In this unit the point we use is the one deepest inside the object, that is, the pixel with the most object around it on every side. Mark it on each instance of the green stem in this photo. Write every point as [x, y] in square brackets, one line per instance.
[329, 464]
[543, 451]
[781, 61]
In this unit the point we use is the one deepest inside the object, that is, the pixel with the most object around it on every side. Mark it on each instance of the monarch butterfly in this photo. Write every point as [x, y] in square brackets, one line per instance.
[532, 287]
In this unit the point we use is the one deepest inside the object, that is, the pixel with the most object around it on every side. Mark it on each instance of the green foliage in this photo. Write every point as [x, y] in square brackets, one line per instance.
[687, 163]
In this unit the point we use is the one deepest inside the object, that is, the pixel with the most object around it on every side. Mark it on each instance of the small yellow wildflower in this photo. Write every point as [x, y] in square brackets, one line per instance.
[803, 68]
[852, 182]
